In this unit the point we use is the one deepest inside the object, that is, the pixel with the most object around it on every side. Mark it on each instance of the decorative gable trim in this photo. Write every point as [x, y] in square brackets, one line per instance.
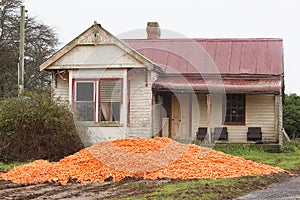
[96, 35]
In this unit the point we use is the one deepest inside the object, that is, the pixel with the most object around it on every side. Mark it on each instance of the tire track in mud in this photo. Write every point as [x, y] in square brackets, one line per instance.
[128, 187]
[53, 191]
[32, 191]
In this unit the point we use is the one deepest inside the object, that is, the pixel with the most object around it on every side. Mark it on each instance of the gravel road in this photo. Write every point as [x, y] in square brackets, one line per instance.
[285, 190]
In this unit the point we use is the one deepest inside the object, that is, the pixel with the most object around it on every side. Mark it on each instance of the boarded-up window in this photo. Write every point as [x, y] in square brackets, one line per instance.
[110, 99]
[85, 100]
[235, 109]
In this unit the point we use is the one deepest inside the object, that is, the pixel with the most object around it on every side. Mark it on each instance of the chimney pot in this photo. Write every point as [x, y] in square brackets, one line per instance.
[153, 31]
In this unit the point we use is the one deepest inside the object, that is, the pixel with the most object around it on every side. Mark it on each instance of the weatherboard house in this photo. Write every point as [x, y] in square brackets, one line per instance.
[214, 90]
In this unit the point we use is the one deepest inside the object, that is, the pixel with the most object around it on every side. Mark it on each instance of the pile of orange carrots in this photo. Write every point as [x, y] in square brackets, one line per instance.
[145, 158]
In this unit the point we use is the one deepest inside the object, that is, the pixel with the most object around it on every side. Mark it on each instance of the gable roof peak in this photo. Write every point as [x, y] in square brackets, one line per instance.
[96, 35]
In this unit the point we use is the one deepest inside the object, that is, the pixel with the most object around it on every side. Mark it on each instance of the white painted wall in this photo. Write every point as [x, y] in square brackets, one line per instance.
[100, 55]
[61, 90]
[140, 106]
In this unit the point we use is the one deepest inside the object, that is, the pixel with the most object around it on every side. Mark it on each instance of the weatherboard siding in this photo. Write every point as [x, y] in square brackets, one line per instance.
[98, 73]
[140, 107]
[199, 112]
[107, 56]
[216, 110]
[61, 90]
[260, 112]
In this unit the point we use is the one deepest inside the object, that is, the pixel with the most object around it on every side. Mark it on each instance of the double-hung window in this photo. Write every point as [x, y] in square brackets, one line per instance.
[98, 101]
[110, 100]
[235, 109]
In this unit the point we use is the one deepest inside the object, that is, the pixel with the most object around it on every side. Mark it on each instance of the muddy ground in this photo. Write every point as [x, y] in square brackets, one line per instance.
[116, 190]
[104, 190]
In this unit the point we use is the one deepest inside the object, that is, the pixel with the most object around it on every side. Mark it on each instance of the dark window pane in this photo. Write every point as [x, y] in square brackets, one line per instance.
[228, 112]
[239, 119]
[240, 104]
[116, 111]
[234, 119]
[234, 112]
[84, 91]
[241, 111]
[105, 111]
[227, 119]
[85, 110]
[235, 108]
[110, 111]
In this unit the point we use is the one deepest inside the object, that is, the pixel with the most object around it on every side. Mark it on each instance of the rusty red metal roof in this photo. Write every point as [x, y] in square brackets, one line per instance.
[224, 56]
[269, 85]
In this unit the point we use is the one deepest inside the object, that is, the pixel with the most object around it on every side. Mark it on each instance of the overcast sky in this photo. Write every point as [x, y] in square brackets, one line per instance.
[191, 19]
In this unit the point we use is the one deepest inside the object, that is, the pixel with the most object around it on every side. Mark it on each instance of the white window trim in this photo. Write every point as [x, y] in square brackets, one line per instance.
[95, 95]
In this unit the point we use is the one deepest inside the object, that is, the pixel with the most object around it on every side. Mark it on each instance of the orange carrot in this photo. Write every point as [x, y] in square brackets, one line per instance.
[147, 158]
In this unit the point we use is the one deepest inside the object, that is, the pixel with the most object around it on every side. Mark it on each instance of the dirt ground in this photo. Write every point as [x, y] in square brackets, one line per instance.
[102, 190]
[106, 190]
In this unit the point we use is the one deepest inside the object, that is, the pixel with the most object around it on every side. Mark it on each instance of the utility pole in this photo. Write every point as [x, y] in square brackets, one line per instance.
[21, 56]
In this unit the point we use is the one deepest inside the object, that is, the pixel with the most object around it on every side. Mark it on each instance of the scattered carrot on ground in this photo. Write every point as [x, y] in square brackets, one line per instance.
[144, 158]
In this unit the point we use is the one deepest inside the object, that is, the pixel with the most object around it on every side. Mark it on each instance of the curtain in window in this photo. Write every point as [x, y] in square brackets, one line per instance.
[110, 98]
[104, 111]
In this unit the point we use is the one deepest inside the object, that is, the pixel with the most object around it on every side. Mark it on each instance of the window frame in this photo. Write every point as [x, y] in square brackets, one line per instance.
[225, 109]
[94, 96]
[99, 101]
[97, 106]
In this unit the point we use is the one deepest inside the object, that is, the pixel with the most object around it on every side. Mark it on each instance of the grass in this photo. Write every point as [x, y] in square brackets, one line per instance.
[288, 159]
[189, 189]
[5, 167]
[208, 188]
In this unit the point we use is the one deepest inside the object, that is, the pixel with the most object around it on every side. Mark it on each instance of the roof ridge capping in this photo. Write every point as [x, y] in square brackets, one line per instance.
[210, 39]
[241, 39]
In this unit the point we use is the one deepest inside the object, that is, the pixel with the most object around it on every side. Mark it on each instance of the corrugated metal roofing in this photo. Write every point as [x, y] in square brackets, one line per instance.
[225, 56]
[228, 85]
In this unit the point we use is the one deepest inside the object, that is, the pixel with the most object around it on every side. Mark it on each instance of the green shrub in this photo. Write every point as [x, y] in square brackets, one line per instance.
[291, 115]
[291, 146]
[36, 127]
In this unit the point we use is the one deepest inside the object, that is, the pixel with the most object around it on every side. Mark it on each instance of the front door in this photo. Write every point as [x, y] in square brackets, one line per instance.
[180, 116]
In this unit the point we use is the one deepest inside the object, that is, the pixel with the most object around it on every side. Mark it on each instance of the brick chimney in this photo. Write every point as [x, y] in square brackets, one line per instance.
[153, 31]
